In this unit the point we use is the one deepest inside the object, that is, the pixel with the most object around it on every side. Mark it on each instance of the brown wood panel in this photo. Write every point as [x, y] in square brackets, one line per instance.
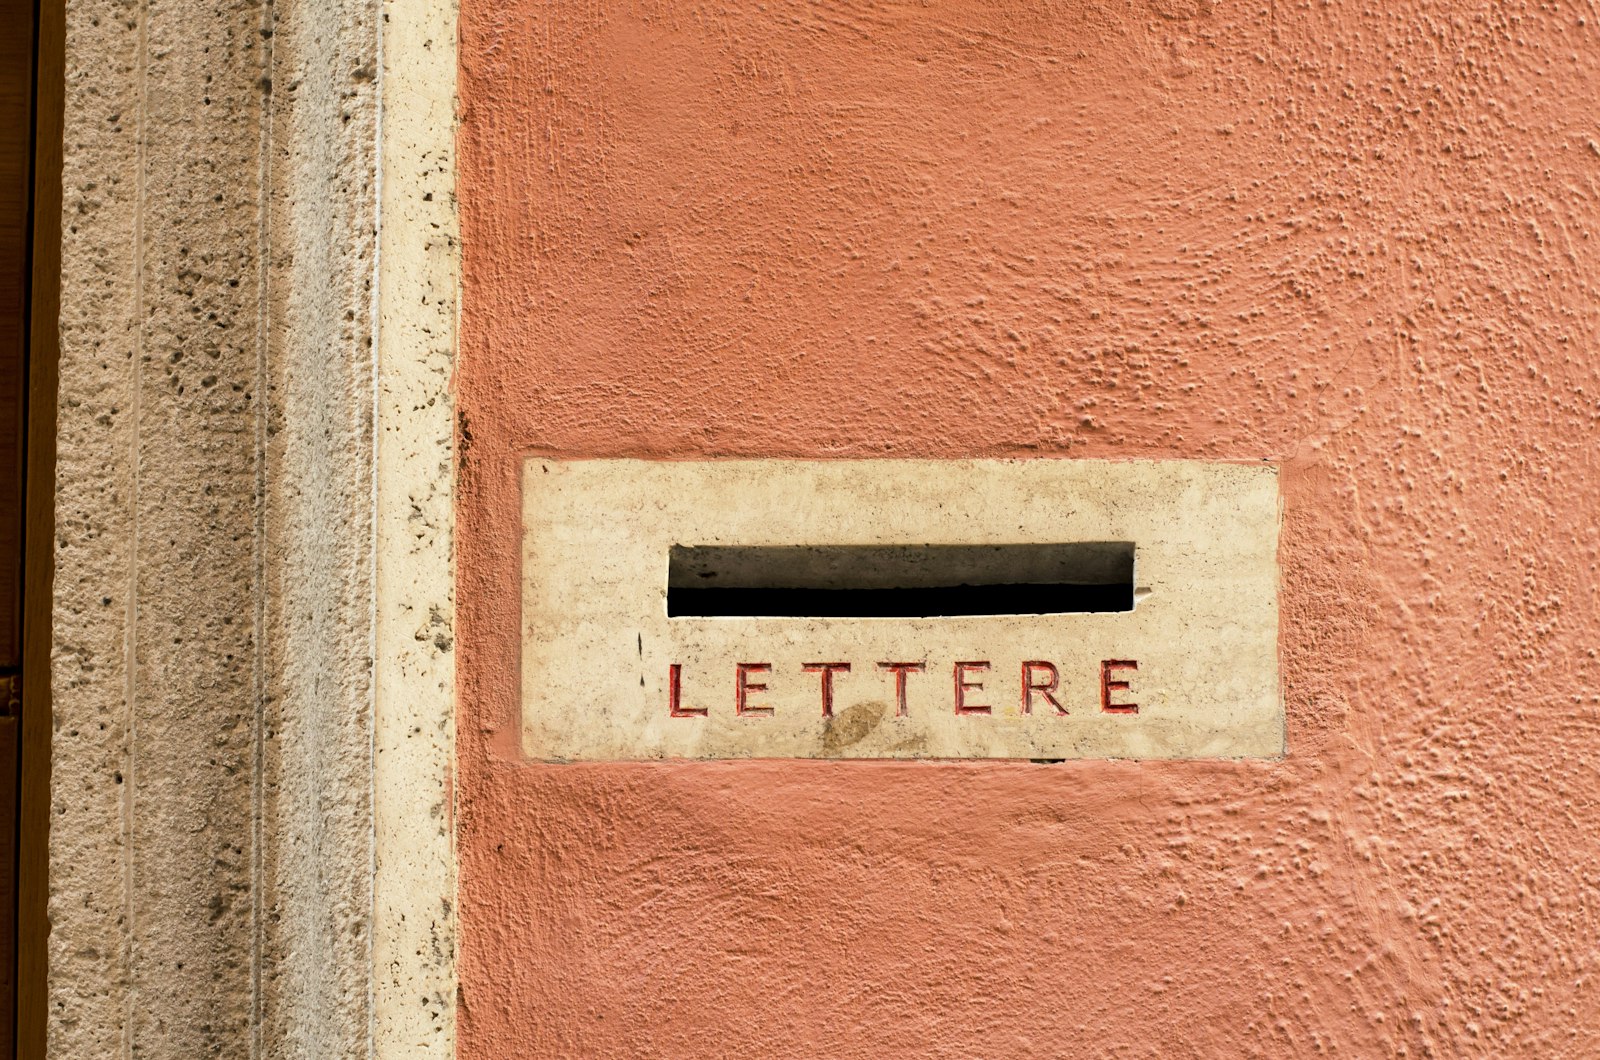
[8, 880]
[33, 792]
[16, 171]
[16, 194]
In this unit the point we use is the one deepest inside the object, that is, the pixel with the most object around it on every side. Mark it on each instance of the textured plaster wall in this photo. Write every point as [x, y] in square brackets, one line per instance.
[1358, 239]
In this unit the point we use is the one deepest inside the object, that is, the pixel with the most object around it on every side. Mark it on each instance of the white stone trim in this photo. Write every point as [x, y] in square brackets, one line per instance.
[414, 731]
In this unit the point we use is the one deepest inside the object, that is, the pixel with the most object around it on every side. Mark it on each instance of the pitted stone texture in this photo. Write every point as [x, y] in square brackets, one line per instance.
[155, 677]
[211, 828]
[413, 956]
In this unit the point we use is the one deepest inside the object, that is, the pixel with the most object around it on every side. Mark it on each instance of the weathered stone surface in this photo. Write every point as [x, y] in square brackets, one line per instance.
[158, 697]
[212, 839]
[413, 946]
[608, 675]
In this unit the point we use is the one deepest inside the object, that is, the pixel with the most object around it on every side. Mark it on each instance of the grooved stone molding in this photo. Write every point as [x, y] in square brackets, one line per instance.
[224, 628]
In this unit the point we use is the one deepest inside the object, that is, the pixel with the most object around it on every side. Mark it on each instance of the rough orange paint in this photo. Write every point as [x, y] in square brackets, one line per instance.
[1358, 239]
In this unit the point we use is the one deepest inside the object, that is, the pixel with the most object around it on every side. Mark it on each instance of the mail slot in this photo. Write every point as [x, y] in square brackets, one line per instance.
[1027, 609]
[899, 581]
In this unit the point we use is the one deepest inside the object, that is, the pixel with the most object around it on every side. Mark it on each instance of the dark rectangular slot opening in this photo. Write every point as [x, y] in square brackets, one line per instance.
[898, 581]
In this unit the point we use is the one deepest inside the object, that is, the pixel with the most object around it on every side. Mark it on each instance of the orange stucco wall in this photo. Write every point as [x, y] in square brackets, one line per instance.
[1358, 239]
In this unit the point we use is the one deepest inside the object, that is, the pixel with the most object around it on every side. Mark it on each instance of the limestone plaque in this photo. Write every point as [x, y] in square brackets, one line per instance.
[1028, 609]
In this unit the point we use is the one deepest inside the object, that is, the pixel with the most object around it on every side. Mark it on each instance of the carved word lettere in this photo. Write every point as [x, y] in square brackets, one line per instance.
[1039, 680]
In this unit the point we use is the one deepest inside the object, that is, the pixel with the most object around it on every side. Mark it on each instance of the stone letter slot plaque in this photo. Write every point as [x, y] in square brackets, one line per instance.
[1034, 609]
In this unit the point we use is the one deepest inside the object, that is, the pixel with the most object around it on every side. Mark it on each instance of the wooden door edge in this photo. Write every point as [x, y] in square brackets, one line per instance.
[33, 866]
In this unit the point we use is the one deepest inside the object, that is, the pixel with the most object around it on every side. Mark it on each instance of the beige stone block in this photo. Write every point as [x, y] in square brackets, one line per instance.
[1196, 653]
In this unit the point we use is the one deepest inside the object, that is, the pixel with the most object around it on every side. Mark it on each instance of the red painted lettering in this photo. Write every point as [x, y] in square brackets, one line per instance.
[675, 708]
[1108, 686]
[1045, 688]
[827, 670]
[963, 686]
[744, 686]
[900, 669]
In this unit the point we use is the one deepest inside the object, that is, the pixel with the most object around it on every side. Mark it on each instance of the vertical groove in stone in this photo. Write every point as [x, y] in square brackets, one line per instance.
[318, 559]
[258, 567]
[193, 726]
[92, 895]
[130, 771]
